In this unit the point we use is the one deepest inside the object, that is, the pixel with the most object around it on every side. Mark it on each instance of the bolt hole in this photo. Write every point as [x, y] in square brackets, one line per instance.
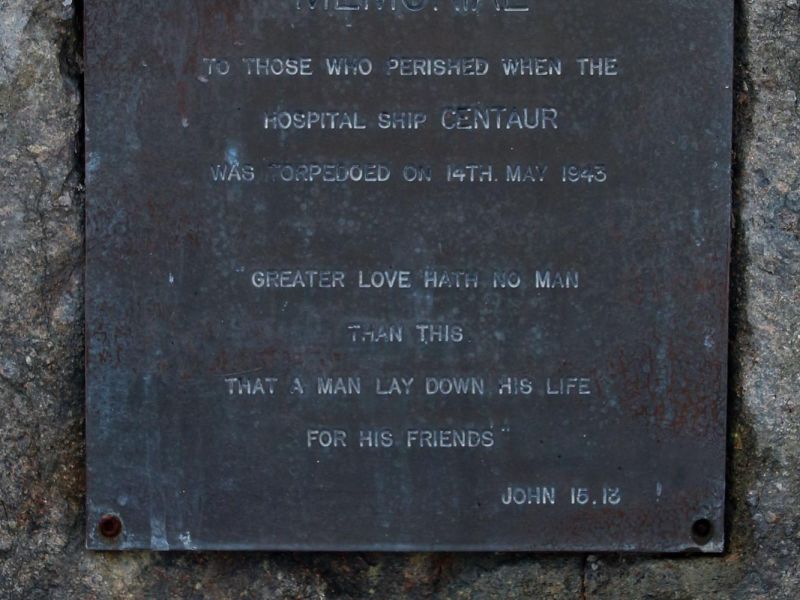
[702, 531]
[110, 526]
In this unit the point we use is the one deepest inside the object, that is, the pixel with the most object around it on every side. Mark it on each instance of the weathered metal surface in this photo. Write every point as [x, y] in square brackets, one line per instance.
[594, 412]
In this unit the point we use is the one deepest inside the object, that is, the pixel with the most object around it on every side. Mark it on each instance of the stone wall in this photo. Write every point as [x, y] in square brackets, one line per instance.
[42, 551]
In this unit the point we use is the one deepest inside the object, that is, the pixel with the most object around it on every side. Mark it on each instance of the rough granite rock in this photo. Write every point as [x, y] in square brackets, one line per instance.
[42, 551]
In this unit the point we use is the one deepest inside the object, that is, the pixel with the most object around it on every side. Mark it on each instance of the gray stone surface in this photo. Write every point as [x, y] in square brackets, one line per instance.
[41, 350]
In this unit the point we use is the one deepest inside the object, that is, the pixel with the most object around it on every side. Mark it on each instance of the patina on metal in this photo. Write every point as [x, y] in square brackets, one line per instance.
[423, 275]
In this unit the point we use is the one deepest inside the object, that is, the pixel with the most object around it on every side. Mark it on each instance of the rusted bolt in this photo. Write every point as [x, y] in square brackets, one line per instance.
[110, 526]
[702, 530]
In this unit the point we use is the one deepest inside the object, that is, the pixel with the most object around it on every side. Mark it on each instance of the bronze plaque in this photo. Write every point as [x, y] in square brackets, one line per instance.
[407, 274]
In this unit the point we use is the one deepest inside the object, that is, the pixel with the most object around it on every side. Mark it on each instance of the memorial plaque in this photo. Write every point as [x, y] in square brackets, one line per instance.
[407, 274]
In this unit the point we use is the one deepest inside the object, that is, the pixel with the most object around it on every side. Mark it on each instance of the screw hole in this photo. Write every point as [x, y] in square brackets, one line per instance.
[702, 531]
[110, 526]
